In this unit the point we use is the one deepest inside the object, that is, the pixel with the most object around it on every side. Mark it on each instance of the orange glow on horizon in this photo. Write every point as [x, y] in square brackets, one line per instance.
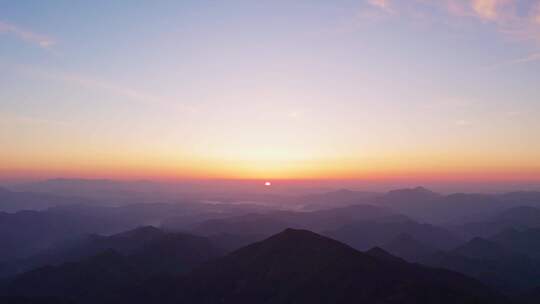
[435, 170]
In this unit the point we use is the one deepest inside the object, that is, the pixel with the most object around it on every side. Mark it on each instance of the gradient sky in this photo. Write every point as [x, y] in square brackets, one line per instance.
[372, 89]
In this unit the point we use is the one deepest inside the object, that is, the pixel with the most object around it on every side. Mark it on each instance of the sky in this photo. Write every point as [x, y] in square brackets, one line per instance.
[356, 90]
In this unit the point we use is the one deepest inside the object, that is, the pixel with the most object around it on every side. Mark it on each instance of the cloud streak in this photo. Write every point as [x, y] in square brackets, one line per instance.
[380, 3]
[515, 20]
[519, 18]
[40, 40]
[113, 88]
[488, 9]
[534, 57]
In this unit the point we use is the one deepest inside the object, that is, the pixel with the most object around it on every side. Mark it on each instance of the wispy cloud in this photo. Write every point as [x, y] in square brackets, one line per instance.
[529, 58]
[9, 118]
[536, 14]
[385, 5]
[526, 59]
[113, 88]
[40, 40]
[514, 18]
[517, 21]
[489, 9]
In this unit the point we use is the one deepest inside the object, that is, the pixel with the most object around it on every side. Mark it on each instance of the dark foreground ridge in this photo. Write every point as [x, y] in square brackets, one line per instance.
[294, 266]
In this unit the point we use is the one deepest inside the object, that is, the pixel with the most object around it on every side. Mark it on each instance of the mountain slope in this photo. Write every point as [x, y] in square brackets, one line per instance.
[294, 266]
[274, 222]
[13, 201]
[298, 266]
[497, 266]
[147, 245]
[407, 247]
[365, 234]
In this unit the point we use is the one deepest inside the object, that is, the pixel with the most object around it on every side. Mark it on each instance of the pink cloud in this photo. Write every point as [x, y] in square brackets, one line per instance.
[536, 14]
[488, 9]
[534, 57]
[26, 35]
[382, 4]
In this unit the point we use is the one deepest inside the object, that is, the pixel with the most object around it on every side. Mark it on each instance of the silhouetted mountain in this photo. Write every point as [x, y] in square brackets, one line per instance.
[148, 245]
[273, 222]
[521, 217]
[479, 248]
[85, 281]
[526, 242]
[531, 296]
[407, 247]
[490, 262]
[364, 235]
[101, 276]
[410, 195]
[422, 204]
[334, 199]
[522, 198]
[229, 242]
[12, 201]
[298, 266]
[35, 300]
[26, 233]
[383, 255]
[294, 266]
[100, 189]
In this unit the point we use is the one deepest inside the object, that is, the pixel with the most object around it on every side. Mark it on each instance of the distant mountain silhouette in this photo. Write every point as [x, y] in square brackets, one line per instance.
[526, 242]
[407, 247]
[522, 198]
[85, 281]
[479, 248]
[425, 205]
[26, 233]
[295, 266]
[273, 222]
[363, 235]
[229, 242]
[383, 255]
[494, 264]
[147, 245]
[298, 266]
[418, 203]
[13, 201]
[521, 217]
[338, 198]
[410, 194]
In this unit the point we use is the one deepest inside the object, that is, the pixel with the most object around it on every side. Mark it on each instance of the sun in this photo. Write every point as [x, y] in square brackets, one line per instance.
[267, 184]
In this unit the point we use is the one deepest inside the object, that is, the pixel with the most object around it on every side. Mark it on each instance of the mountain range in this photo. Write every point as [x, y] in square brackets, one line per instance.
[294, 266]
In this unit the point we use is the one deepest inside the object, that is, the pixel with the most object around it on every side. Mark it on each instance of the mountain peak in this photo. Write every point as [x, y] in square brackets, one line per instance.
[420, 191]
[299, 236]
[143, 232]
[298, 266]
